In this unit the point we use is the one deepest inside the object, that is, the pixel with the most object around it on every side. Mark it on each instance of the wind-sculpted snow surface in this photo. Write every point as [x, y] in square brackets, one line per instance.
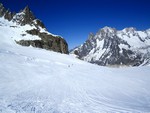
[38, 81]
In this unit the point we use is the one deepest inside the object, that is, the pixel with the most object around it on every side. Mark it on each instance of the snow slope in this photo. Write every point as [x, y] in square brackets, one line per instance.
[12, 31]
[34, 80]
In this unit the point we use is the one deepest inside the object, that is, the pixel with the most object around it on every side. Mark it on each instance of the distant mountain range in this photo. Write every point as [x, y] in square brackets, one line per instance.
[25, 23]
[111, 47]
[108, 47]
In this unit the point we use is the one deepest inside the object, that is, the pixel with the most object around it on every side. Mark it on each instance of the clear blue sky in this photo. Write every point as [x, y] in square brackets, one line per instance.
[75, 19]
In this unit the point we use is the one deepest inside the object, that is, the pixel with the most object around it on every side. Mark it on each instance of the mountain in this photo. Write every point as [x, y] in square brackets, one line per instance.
[27, 30]
[111, 47]
[34, 80]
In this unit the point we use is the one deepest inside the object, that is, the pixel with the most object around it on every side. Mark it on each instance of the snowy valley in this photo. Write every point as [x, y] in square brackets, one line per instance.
[35, 80]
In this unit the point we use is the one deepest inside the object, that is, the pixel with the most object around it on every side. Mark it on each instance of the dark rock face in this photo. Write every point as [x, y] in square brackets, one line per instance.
[109, 48]
[6, 13]
[24, 17]
[39, 23]
[113, 56]
[9, 15]
[28, 16]
[2, 10]
[48, 42]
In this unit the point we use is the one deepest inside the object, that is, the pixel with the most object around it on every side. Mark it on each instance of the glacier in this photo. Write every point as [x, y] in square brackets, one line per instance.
[33, 80]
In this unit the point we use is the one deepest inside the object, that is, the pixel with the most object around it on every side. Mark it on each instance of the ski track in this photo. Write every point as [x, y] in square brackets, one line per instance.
[63, 89]
[34, 80]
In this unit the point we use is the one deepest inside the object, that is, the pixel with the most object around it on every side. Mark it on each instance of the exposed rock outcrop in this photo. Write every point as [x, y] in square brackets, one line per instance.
[2, 10]
[9, 15]
[6, 13]
[48, 42]
[26, 17]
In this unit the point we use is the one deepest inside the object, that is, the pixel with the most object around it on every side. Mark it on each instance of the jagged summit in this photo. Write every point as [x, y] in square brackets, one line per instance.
[29, 16]
[27, 9]
[24, 17]
[106, 29]
[111, 47]
[28, 13]
[130, 29]
[30, 31]
[2, 10]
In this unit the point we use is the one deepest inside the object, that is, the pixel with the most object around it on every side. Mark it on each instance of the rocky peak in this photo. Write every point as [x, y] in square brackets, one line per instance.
[129, 30]
[108, 29]
[28, 13]
[112, 47]
[24, 17]
[9, 15]
[47, 40]
[6, 13]
[2, 10]
[26, 9]
[106, 32]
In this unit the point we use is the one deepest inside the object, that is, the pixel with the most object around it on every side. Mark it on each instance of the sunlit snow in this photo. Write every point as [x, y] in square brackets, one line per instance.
[34, 80]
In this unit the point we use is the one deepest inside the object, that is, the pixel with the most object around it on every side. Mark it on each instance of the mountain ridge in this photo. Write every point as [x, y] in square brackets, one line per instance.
[35, 27]
[110, 46]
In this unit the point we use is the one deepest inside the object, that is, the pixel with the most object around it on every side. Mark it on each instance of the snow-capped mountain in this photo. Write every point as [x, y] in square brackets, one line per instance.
[25, 29]
[111, 47]
[34, 80]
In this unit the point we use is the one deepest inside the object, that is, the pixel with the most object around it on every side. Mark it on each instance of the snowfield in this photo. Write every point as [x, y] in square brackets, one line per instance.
[39, 81]
[34, 80]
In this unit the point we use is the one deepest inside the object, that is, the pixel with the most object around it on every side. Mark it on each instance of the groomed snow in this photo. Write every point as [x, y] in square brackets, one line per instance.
[34, 80]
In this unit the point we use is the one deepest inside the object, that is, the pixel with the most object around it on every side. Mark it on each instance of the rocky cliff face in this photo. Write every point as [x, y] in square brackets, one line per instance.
[36, 27]
[110, 47]
[48, 42]
[6, 13]
[24, 17]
